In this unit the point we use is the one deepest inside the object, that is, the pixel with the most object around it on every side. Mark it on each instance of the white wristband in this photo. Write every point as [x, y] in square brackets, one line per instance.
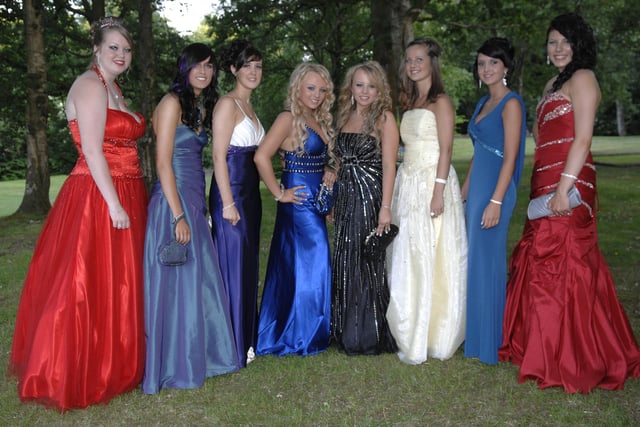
[441, 181]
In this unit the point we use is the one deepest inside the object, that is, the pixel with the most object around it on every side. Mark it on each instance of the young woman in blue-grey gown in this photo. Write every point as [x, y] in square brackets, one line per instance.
[187, 322]
[295, 312]
[234, 198]
[497, 129]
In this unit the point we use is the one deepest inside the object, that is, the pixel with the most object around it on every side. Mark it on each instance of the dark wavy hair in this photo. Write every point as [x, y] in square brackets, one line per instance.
[583, 44]
[409, 93]
[189, 58]
[237, 54]
[497, 48]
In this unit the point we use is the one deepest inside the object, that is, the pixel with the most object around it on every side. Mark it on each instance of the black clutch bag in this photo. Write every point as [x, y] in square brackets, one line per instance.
[375, 246]
[539, 207]
[172, 253]
[324, 200]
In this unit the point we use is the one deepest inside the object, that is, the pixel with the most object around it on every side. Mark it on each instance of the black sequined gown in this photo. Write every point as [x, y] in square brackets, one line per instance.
[359, 285]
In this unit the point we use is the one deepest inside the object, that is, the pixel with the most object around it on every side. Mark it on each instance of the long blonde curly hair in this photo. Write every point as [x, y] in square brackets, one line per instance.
[374, 115]
[322, 114]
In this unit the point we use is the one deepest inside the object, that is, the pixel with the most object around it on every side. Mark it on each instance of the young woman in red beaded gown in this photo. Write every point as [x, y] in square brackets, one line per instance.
[563, 323]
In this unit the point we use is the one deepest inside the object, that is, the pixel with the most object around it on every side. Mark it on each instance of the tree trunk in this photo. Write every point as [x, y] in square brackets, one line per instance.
[146, 147]
[36, 193]
[393, 24]
[620, 125]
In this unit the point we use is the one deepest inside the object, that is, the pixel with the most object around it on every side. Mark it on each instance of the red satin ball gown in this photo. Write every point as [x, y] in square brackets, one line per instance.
[563, 323]
[79, 335]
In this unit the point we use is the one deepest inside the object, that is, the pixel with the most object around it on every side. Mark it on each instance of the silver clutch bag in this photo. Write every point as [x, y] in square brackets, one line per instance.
[539, 207]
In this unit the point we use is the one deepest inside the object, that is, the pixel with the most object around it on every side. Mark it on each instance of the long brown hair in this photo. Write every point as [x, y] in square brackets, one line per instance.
[409, 89]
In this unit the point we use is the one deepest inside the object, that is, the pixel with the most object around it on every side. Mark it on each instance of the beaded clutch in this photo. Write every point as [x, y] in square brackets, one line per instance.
[324, 199]
[375, 246]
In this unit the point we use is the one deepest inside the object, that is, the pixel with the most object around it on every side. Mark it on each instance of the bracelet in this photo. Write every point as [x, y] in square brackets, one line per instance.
[497, 202]
[441, 181]
[177, 218]
[277, 199]
[386, 206]
[568, 175]
[229, 206]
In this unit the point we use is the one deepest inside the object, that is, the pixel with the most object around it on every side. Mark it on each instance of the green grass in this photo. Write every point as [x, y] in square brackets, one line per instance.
[334, 389]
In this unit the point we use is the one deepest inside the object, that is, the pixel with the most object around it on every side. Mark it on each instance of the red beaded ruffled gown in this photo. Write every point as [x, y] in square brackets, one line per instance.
[79, 334]
[563, 323]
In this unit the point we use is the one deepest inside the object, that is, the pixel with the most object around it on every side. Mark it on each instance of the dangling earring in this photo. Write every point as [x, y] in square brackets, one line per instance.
[548, 61]
[504, 79]
[479, 84]
[352, 100]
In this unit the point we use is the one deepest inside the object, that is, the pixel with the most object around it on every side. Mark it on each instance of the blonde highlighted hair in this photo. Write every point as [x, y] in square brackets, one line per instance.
[322, 114]
[374, 115]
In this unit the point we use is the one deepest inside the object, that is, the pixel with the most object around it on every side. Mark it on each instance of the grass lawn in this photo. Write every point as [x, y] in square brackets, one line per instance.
[335, 389]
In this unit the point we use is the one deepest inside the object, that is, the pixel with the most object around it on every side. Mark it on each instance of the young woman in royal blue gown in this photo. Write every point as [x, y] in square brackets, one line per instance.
[187, 322]
[498, 130]
[234, 198]
[295, 312]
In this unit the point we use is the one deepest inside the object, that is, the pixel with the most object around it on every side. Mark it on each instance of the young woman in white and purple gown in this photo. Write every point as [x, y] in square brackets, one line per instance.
[234, 198]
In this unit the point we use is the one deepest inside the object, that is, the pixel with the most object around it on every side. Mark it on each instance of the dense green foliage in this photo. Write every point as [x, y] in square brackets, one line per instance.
[336, 33]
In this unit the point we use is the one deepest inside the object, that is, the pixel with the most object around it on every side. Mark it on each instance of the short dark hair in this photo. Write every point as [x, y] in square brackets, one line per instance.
[497, 48]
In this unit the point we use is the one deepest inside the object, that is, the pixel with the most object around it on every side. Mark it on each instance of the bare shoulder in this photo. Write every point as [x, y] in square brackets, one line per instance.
[584, 79]
[443, 103]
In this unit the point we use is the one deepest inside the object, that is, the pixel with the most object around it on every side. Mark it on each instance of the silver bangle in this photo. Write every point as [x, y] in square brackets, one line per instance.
[277, 199]
[497, 202]
[229, 206]
[441, 181]
[568, 175]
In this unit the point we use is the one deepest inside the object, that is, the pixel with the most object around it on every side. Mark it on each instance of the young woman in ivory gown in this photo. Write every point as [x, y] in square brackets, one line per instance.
[366, 151]
[81, 308]
[234, 198]
[295, 313]
[427, 261]
[563, 323]
[187, 323]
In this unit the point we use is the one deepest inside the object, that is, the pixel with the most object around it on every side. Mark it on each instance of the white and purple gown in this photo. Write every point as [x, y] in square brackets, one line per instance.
[238, 246]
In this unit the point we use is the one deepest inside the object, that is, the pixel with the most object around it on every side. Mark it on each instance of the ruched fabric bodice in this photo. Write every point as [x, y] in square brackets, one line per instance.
[419, 133]
[119, 146]
[555, 136]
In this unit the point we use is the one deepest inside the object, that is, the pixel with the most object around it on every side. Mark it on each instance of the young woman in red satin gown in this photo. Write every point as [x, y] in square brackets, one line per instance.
[79, 335]
[563, 323]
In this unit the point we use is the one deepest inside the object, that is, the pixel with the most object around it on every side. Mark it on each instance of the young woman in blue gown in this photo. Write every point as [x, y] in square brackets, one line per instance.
[234, 198]
[498, 130]
[187, 322]
[295, 312]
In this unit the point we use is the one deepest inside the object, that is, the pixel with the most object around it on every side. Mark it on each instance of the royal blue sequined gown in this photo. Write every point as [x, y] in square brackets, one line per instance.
[187, 321]
[295, 312]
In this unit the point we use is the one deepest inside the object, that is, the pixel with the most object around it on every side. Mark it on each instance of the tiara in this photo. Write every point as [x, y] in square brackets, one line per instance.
[109, 21]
